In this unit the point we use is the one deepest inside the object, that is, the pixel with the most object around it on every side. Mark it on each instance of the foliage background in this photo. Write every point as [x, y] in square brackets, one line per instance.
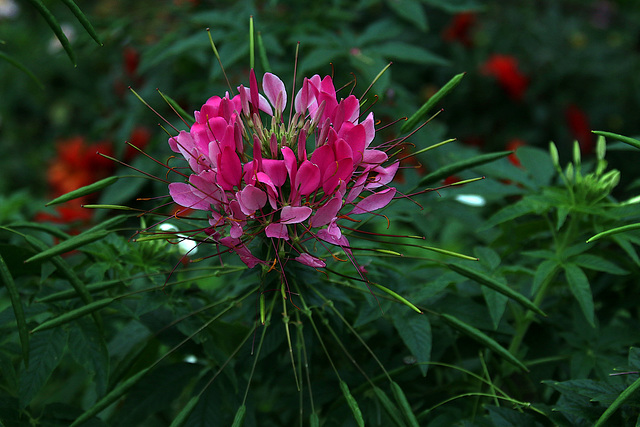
[571, 68]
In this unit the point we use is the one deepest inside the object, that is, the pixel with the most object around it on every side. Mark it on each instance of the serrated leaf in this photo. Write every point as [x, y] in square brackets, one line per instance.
[45, 353]
[18, 309]
[353, 404]
[544, 271]
[411, 10]
[594, 262]
[70, 244]
[462, 165]
[90, 351]
[484, 339]
[423, 111]
[492, 283]
[496, 303]
[415, 332]
[579, 285]
[402, 401]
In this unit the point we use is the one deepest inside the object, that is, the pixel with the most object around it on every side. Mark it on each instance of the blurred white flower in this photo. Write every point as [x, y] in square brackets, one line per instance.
[8, 9]
[185, 245]
[471, 200]
[54, 43]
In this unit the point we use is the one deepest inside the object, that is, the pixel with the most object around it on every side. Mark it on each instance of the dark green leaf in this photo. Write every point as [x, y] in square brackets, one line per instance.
[391, 409]
[618, 402]
[484, 339]
[544, 272]
[579, 285]
[353, 404]
[18, 310]
[492, 283]
[184, 413]
[74, 314]
[594, 262]
[415, 332]
[22, 68]
[45, 353]
[82, 19]
[398, 51]
[90, 351]
[57, 30]
[411, 10]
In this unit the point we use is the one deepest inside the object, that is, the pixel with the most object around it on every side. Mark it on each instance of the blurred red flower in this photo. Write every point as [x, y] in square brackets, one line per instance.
[513, 145]
[505, 69]
[459, 30]
[578, 123]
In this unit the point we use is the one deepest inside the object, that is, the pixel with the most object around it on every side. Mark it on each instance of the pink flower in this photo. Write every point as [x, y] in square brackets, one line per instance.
[251, 172]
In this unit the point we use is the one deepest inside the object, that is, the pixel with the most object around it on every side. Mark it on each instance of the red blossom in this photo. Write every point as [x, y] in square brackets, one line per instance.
[578, 123]
[459, 30]
[506, 70]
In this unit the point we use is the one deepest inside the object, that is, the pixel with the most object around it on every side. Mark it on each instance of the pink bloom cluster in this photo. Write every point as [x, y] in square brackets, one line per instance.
[256, 173]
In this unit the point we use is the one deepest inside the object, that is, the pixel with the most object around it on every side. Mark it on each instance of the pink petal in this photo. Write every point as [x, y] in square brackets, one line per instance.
[229, 169]
[290, 163]
[356, 138]
[370, 130]
[326, 213]
[374, 157]
[294, 214]
[308, 178]
[276, 170]
[251, 199]
[241, 249]
[310, 260]
[374, 201]
[275, 91]
[384, 176]
[277, 230]
[181, 194]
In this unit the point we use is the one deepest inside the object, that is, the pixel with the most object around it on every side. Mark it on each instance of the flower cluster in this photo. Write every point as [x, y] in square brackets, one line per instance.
[258, 174]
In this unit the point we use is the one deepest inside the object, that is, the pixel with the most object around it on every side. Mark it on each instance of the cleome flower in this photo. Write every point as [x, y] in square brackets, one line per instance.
[292, 181]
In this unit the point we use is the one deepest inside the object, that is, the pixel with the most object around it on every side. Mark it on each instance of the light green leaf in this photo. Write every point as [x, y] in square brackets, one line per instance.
[627, 140]
[579, 285]
[484, 339]
[415, 332]
[614, 231]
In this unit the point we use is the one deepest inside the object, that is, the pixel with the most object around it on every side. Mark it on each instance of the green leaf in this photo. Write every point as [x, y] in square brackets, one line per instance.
[415, 332]
[422, 112]
[353, 404]
[388, 406]
[402, 401]
[492, 283]
[579, 285]
[82, 19]
[83, 191]
[45, 353]
[496, 303]
[545, 270]
[462, 165]
[55, 27]
[90, 351]
[618, 402]
[71, 293]
[484, 339]
[184, 413]
[406, 52]
[74, 314]
[411, 10]
[510, 212]
[22, 68]
[69, 245]
[314, 420]
[594, 262]
[455, 6]
[397, 296]
[18, 309]
[627, 140]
